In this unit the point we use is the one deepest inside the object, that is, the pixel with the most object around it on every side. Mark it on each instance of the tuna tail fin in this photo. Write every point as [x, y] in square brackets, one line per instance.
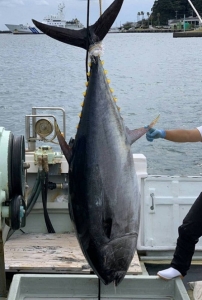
[69, 36]
[87, 36]
[106, 20]
[135, 134]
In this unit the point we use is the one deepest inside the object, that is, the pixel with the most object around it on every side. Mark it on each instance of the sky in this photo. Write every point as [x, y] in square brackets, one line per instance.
[22, 11]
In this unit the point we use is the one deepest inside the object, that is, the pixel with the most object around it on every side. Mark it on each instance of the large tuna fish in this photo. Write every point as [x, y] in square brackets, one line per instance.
[104, 200]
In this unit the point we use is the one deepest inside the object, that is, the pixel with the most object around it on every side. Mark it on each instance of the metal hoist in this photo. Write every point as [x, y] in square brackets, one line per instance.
[15, 202]
[12, 189]
[13, 207]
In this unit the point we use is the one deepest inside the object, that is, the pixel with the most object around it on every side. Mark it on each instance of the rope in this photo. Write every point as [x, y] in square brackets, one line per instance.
[87, 46]
[100, 2]
[98, 49]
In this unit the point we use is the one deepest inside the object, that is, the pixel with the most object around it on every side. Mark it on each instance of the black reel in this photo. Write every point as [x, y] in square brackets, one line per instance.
[17, 166]
[17, 213]
[16, 180]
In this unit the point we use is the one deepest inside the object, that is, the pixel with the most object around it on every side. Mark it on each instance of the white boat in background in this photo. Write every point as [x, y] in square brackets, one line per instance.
[22, 29]
[57, 20]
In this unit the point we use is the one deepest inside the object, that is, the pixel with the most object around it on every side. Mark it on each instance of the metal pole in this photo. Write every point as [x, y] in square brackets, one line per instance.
[195, 10]
[100, 7]
[3, 291]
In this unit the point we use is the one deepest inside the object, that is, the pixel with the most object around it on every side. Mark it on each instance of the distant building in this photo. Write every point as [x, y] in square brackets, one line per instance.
[184, 23]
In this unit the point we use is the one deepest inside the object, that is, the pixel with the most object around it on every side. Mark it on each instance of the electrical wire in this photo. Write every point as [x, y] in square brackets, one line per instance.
[87, 46]
[44, 191]
[34, 194]
[31, 200]
[99, 289]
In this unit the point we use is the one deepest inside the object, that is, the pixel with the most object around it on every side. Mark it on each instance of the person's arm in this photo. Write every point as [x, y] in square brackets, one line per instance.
[183, 135]
[176, 135]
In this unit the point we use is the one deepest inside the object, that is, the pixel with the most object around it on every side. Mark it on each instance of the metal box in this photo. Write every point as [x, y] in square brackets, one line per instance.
[78, 287]
[165, 201]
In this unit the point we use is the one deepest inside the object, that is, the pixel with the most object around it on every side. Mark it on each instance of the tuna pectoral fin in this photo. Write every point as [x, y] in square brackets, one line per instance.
[135, 134]
[76, 38]
[66, 149]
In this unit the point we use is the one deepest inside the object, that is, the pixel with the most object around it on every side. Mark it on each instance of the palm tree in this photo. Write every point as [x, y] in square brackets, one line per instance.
[151, 18]
[142, 14]
[138, 15]
[148, 14]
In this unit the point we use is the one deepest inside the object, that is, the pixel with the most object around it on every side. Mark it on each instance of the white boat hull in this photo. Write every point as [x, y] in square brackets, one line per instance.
[26, 29]
[23, 29]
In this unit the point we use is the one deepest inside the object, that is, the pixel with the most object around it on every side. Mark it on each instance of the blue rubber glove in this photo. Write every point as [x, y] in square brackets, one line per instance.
[153, 133]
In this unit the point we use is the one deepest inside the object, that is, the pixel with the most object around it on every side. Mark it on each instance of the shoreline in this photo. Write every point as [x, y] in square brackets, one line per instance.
[124, 31]
[184, 34]
[176, 33]
[5, 31]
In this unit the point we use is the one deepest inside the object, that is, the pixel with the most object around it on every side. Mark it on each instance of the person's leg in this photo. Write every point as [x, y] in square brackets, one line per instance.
[189, 233]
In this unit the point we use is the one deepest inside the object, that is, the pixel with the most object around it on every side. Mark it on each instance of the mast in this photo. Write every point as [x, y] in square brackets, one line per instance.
[61, 6]
[195, 11]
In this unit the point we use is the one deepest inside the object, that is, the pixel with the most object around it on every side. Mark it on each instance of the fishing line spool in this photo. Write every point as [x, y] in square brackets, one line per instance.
[43, 127]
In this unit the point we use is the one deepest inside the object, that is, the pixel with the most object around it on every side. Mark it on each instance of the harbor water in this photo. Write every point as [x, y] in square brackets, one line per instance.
[150, 74]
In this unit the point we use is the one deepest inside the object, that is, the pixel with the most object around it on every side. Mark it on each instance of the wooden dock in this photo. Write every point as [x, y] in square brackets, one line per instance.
[50, 253]
[184, 34]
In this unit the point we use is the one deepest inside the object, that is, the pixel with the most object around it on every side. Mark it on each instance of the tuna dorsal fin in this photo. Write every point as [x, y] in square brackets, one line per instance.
[83, 38]
[135, 134]
[66, 149]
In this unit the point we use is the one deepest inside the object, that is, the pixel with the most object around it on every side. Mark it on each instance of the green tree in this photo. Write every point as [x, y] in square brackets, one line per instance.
[148, 15]
[142, 14]
[158, 17]
[138, 16]
[151, 18]
[169, 9]
[127, 25]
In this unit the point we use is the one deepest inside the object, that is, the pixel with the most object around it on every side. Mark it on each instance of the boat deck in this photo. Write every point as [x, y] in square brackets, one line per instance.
[61, 254]
[50, 253]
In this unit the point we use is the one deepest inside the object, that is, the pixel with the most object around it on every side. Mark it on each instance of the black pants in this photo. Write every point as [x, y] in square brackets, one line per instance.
[189, 233]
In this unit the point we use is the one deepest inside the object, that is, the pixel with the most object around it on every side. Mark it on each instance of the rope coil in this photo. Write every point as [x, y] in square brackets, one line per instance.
[96, 49]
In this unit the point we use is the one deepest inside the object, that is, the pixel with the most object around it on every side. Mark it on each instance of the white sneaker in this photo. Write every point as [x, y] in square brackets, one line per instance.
[169, 273]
